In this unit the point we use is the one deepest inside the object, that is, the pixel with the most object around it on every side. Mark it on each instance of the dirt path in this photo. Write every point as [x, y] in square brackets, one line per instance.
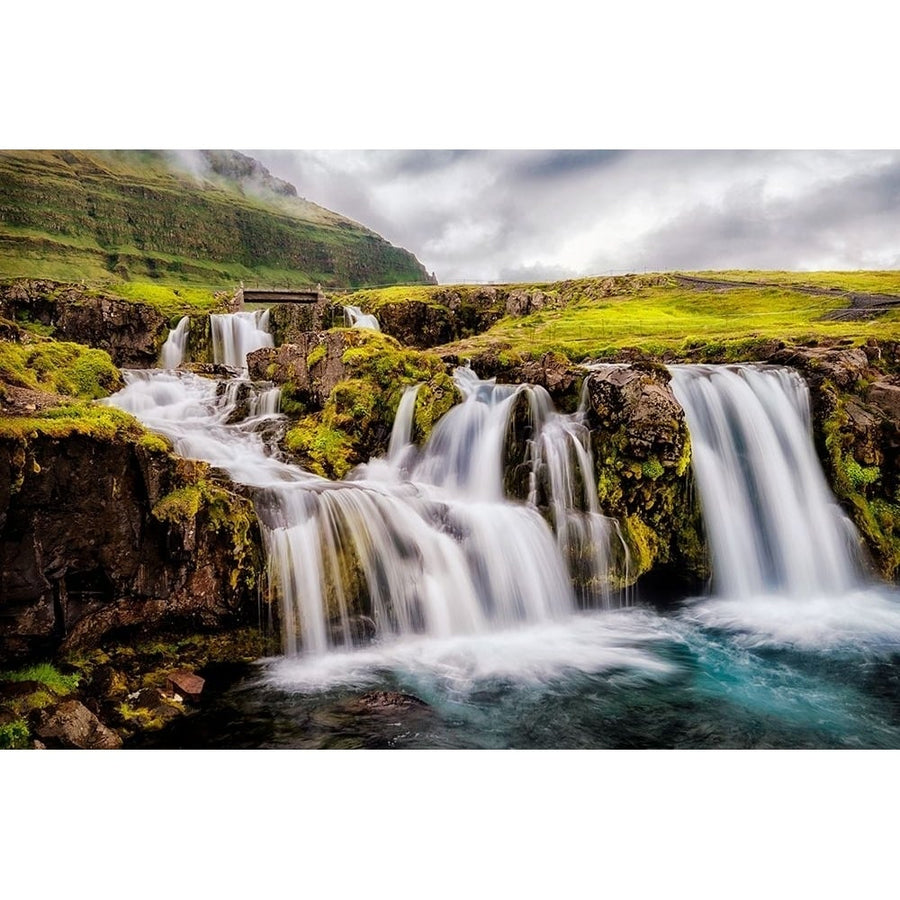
[861, 305]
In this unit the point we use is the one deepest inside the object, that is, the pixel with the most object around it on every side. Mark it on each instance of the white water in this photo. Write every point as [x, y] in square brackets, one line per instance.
[443, 553]
[402, 432]
[787, 565]
[266, 402]
[773, 525]
[356, 318]
[234, 335]
[172, 354]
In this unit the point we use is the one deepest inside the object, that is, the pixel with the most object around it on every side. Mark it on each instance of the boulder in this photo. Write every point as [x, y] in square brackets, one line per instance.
[639, 401]
[312, 365]
[71, 725]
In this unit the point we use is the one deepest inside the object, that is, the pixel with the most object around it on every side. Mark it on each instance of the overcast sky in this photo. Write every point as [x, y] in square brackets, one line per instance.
[545, 214]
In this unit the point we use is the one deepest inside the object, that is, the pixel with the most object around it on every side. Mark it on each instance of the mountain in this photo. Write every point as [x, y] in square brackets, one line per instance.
[207, 218]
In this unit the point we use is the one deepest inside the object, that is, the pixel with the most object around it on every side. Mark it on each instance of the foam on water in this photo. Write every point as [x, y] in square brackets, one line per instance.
[535, 654]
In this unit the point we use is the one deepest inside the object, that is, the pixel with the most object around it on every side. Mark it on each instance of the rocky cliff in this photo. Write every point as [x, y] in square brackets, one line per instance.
[105, 531]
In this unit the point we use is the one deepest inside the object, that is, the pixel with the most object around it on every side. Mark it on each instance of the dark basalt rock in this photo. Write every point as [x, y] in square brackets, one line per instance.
[86, 550]
[132, 333]
[289, 363]
[71, 725]
[639, 400]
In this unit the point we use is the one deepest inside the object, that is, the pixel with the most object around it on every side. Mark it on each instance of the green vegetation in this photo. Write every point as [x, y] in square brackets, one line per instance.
[172, 302]
[104, 422]
[866, 282]
[356, 420]
[668, 320]
[222, 511]
[15, 735]
[108, 217]
[873, 505]
[42, 685]
[60, 367]
[44, 673]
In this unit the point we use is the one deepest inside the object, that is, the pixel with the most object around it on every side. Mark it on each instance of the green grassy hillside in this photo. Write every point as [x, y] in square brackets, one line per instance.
[673, 315]
[112, 216]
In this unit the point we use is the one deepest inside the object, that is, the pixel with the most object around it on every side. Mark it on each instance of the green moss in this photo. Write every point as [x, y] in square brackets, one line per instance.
[327, 451]
[155, 443]
[652, 468]
[435, 399]
[857, 486]
[860, 476]
[61, 367]
[15, 735]
[103, 422]
[44, 673]
[316, 355]
[224, 511]
[356, 420]
[181, 505]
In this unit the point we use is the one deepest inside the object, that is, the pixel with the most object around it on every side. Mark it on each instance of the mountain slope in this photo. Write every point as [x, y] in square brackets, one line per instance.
[205, 218]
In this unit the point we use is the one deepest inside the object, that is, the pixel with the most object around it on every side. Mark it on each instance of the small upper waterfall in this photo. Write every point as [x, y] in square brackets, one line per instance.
[234, 335]
[423, 542]
[773, 525]
[172, 354]
[356, 318]
[266, 402]
[401, 433]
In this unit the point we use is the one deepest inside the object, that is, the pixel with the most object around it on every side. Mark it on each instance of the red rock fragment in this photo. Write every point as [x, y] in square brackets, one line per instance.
[185, 683]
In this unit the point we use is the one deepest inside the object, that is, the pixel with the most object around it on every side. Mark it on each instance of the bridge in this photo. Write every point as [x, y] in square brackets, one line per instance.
[248, 295]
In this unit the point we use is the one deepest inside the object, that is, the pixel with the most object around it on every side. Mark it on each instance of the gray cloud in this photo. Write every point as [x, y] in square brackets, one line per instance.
[508, 215]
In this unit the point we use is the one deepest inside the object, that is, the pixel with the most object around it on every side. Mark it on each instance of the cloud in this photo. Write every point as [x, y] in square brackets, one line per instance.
[506, 214]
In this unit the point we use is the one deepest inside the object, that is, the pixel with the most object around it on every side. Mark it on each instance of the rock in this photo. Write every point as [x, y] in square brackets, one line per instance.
[553, 372]
[448, 315]
[71, 725]
[388, 701]
[639, 400]
[186, 683]
[312, 382]
[289, 321]
[886, 397]
[95, 536]
[523, 303]
[844, 366]
[130, 332]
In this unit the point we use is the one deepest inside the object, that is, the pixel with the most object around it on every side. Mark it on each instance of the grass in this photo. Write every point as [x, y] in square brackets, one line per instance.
[129, 216]
[46, 674]
[875, 282]
[668, 319]
[170, 300]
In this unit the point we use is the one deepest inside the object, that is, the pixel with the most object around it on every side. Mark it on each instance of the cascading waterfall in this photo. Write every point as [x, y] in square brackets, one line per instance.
[431, 546]
[234, 335]
[356, 318]
[266, 402]
[401, 433]
[773, 525]
[172, 354]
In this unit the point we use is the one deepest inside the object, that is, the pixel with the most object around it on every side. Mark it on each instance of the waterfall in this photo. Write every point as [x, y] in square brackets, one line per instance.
[266, 402]
[774, 527]
[172, 353]
[234, 335]
[401, 433]
[356, 318]
[435, 548]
